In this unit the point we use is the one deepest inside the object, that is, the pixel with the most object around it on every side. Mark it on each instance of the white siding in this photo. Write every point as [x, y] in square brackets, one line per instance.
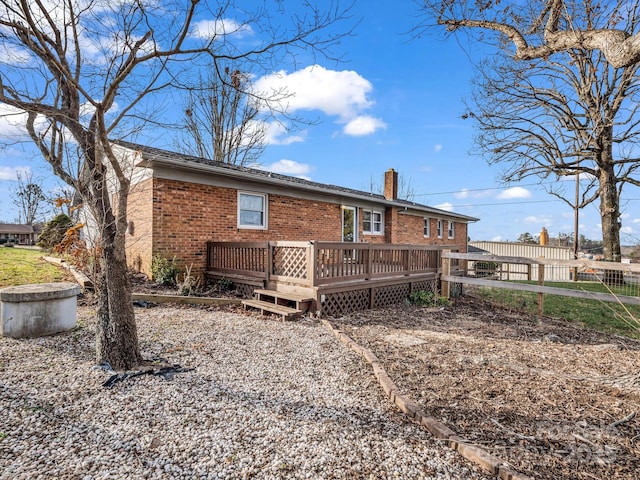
[528, 250]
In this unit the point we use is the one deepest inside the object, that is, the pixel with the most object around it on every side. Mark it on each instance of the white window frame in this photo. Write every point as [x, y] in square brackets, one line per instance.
[451, 229]
[427, 227]
[265, 212]
[440, 227]
[373, 223]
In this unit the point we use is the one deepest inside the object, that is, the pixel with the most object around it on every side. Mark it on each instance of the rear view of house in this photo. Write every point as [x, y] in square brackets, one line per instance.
[178, 203]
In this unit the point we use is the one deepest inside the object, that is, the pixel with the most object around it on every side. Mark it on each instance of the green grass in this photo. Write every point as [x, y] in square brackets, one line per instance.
[19, 266]
[609, 317]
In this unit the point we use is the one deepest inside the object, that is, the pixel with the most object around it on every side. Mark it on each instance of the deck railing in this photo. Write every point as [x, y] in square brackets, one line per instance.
[320, 263]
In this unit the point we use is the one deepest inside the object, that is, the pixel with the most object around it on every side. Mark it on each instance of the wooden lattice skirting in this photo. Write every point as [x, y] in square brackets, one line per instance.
[336, 302]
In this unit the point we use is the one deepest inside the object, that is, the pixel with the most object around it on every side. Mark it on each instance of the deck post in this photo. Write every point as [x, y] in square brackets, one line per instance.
[369, 264]
[311, 263]
[406, 256]
[446, 270]
[269, 261]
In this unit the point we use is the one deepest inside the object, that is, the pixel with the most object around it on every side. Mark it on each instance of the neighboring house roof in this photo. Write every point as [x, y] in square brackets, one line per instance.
[473, 249]
[15, 229]
[152, 156]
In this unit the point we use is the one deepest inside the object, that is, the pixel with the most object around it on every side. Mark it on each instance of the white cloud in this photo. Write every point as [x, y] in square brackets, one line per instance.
[539, 220]
[636, 220]
[12, 55]
[445, 206]
[277, 134]
[11, 173]
[626, 230]
[497, 238]
[342, 94]
[290, 167]
[514, 192]
[464, 193]
[208, 29]
[437, 148]
[12, 121]
[363, 125]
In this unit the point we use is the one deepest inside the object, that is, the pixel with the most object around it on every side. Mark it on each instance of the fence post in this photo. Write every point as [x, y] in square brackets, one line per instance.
[445, 270]
[540, 295]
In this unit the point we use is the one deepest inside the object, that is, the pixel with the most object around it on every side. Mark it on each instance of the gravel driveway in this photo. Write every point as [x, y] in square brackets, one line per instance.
[265, 400]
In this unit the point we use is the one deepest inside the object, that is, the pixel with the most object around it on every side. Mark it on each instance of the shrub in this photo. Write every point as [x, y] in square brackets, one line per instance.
[164, 272]
[225, 285]
[422, 298]
[189, 285]
[485, 269]
[54, 230]
[74, 249]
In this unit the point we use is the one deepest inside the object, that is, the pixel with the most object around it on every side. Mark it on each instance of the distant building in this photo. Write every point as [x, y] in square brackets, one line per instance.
[18, 234]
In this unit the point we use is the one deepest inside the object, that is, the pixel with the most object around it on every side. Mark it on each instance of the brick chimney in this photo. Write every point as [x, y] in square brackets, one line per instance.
[391, 184]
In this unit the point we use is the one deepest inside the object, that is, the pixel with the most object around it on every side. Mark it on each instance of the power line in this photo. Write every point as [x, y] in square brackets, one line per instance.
[505, 204]
[486, 189]
[472, 190]
[508, 204]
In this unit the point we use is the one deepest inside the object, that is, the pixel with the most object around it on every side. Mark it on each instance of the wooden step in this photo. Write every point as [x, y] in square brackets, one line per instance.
[287, 313]
[294, 297]
[300, 302]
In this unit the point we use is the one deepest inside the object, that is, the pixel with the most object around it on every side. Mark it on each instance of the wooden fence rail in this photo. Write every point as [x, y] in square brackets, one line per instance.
[481, 278]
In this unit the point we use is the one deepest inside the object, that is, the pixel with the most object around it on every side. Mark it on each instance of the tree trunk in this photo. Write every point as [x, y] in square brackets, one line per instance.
[610, 214]
[116, 336]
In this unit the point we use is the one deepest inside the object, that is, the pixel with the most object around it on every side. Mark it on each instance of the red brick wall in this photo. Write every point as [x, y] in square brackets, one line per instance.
[410, 229]
[187, 215]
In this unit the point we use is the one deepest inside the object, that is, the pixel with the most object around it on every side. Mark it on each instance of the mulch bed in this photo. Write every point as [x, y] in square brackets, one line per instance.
[551, 398]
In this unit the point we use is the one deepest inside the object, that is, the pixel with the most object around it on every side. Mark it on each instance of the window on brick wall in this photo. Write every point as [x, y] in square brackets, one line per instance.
[372, 222]
[439, 228]
[451, 229]
[427, 227]
[252, 210]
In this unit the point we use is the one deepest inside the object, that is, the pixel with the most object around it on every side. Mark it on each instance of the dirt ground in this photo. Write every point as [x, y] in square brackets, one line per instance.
[551, 398]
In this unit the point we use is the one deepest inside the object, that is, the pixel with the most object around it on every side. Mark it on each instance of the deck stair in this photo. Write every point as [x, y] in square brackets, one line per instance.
[286, 304]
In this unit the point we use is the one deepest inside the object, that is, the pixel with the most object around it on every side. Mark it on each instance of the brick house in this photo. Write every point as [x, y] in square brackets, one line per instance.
[178, 202]
[18, 234]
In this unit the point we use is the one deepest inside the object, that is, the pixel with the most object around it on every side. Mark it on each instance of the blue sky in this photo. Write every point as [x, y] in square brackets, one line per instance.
[393, 102]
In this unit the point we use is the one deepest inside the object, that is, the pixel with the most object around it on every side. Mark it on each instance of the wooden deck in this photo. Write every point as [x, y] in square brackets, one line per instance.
[338, 277]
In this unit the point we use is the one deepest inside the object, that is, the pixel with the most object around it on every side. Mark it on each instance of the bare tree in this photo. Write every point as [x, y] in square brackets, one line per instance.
[541, 28]
[561, 115]
[223, 120]
[571, 115]
[29, 198]
[85, 72]
[406, 190]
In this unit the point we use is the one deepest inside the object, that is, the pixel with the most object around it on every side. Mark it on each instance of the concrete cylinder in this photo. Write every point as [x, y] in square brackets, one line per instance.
[38, 309]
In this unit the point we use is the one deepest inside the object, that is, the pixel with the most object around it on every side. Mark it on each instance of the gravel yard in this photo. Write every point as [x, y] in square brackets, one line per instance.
[265, 399]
